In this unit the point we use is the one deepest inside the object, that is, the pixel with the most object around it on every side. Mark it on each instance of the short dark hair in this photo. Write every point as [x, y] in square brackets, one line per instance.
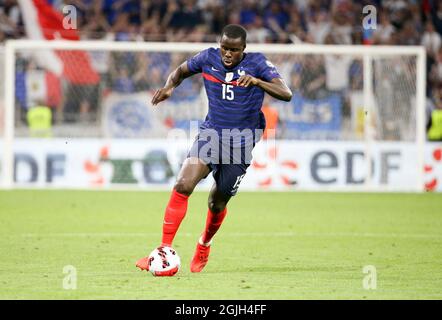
[235, 31]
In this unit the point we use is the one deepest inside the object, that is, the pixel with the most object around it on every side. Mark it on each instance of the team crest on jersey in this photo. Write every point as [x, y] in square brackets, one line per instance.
[269, 64]
[229, 76]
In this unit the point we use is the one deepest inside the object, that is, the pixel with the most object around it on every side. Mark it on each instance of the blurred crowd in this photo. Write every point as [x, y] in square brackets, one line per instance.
[399, 22]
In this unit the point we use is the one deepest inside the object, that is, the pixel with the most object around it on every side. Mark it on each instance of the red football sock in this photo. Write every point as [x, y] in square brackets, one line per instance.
[175, 211]
[213, 222]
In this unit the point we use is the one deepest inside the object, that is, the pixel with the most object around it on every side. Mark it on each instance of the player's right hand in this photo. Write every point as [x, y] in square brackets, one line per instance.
[161, 95]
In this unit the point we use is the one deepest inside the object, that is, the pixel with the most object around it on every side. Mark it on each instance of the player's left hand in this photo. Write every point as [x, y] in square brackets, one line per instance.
[247, 80]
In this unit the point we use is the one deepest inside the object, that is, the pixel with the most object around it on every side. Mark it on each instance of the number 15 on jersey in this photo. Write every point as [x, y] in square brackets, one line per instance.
[228, 92]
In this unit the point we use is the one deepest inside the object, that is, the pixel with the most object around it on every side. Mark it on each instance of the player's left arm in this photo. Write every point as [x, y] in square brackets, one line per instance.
[275, 87]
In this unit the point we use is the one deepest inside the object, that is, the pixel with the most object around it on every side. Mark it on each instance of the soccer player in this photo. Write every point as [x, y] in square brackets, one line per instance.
[235, 83]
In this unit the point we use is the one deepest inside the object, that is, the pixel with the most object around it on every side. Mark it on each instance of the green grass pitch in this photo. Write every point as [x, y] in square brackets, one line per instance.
[271, 246]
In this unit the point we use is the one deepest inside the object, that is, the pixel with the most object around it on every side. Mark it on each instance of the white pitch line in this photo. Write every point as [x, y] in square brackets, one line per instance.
[243, 234]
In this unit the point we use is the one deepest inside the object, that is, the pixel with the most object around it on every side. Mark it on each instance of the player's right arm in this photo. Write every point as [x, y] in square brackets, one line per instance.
[173, 81]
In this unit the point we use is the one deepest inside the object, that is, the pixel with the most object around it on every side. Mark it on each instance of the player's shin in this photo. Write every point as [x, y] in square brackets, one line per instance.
[213, 223]
[175, 212]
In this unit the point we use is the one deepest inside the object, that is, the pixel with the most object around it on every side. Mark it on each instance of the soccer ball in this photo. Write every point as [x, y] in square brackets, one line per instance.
[164, 262]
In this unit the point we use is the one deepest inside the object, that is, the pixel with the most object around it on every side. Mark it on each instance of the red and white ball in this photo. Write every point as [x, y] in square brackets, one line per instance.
[164, 262]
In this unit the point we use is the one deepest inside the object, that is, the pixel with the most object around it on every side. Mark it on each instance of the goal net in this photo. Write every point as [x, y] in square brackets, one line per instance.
[78, 115]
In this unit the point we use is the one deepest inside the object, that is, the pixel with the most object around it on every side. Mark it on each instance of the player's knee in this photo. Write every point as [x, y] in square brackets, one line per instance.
[184, 186]
[216, 206]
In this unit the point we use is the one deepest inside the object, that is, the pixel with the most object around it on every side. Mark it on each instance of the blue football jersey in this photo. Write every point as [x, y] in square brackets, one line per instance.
[232, 106]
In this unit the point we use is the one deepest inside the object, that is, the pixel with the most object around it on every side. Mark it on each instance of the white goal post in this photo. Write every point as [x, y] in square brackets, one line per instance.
[366, 53]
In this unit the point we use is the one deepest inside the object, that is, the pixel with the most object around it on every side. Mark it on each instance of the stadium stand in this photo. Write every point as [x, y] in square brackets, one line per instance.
[401, 22]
